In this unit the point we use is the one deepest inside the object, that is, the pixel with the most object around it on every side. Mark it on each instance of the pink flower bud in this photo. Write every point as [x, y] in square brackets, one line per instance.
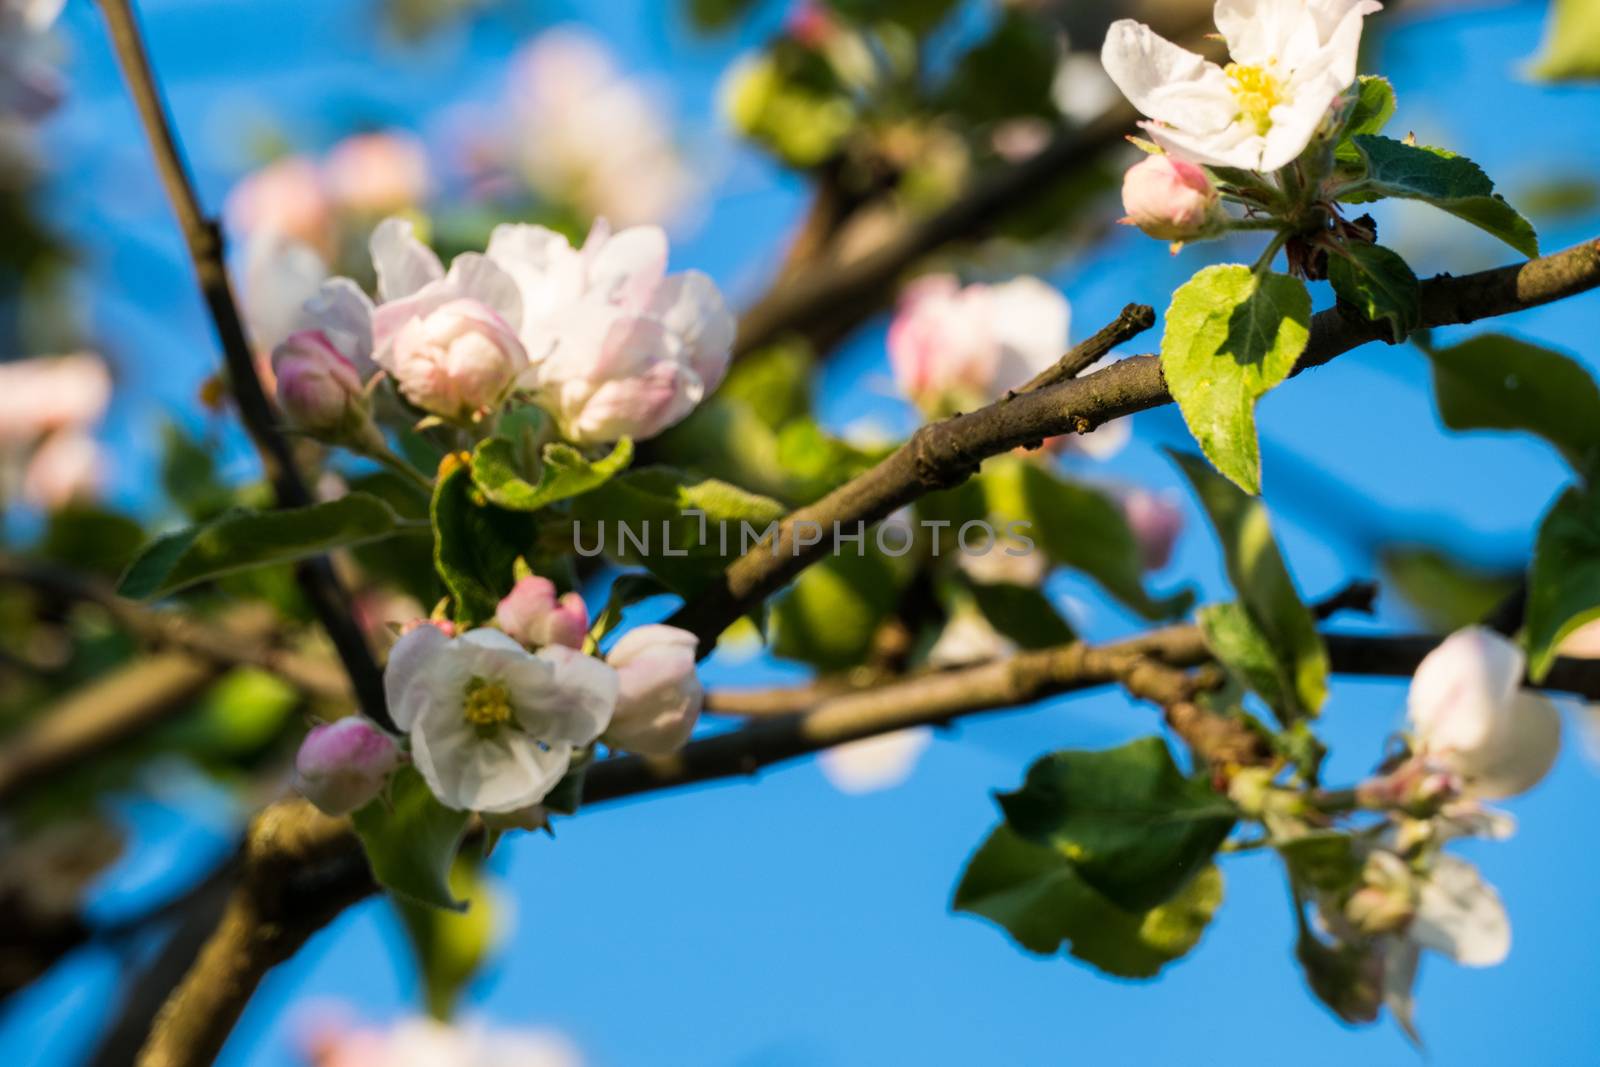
[343, 765]
[1169, 198]
[535, 615]
[458, 359]
[318, 388]
[1156, 523]
[659, 698]
[377, 174]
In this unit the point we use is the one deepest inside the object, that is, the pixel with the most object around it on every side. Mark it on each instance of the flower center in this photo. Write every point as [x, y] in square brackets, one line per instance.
[487, 704]
[1257, 92]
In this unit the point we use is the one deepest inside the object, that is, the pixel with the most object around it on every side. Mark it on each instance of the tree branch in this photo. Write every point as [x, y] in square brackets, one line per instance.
[203, 237]
[946, 453]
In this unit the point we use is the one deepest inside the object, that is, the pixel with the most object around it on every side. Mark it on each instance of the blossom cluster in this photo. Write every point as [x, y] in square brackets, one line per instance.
[49, 405]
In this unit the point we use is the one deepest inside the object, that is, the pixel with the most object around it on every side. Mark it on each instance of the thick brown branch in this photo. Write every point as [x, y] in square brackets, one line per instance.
[203, 237]
[945, 453]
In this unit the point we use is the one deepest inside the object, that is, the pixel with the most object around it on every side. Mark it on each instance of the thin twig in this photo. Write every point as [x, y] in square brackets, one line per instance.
[203, 237]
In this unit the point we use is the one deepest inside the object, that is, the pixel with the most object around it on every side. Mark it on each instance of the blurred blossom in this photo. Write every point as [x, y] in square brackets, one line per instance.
[1019, 139]
[1081, 90]
[589, 137]
[1156, 520]
[810, 23]
[47, 393]
[288, 199]
[421, 1042]
[998, 566]
[30, 85]
[278, 276]
[968, 639]
[875, 763]
[68, 467]
[377, 174]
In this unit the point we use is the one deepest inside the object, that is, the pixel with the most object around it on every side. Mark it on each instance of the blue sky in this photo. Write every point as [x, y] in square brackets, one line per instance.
[780, 922]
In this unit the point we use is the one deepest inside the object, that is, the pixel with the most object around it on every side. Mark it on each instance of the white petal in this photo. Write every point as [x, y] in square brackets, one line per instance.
[586, 691]
[1400, 960]
[342, 311]
[1237, 146]
[691, 307]
[1267, 32]
[1460, 915]
[280, 274]
[503, 771]
[626, 267]
[1294, 124]
[545, 266]
[1524, 747]
[480, 278]
[1165, 82]
[1460, 686]
[875, 763]
[403, 678]
[1030, 320]
[404, 264]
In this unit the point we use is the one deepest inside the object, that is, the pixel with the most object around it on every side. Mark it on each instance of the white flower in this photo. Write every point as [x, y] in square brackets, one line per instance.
[1291, 60]
[660, 695]
[1460, 915]
[493, 726]
[617, 347]
[1472, 717]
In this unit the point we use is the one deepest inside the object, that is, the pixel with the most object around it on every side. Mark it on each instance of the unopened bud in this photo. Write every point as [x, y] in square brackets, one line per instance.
[1170, 199]
[343, 765]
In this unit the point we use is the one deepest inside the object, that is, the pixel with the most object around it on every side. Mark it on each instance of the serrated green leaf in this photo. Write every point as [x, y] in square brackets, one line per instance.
[565, 472]
[1564, 581]
[1265, 589]
[1240, 646]
[450, 946]
[1380, 284]
[1231, 336]
[1034, 894]
[411, 841]
[1571, 50]
[1374, 107]
[240, 540]
[1447, 181]
[475, 544]
[1495, 382]
[1133, 826]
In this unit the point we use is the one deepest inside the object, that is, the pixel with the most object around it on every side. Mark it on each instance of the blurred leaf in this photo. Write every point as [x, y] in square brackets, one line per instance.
[565, 472]
[475, 543]
[707, 15]
[1560, 196]
[1374, 108]
[239, 540]
[189, 476]
[1323, 859]
[1132, 825]
[90, 538]
[1378, 283]
[451, 946]
[1007, 74]
[1495, 382]
[1564, 581]
[817, 462]
[1033, 893]
[919, 16]
[405, 562]
[1231, 336]
[242, 714]
[830, 614]
[1347, 978]
[1571, 49]
[1022, 614]
[411, 841]
[1445, 592]
[1447, 181]
[1265, 589]
[650, 503]
[790, 100]
[775, 382]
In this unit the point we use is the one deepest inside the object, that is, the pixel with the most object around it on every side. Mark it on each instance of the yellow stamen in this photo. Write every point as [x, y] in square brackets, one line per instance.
[1257, 92]
[487, 703]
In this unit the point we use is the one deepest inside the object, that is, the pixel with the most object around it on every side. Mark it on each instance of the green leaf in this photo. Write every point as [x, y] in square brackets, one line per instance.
[1323, 859]
[1373, 109]
[1564, 581]
[411, 841]
[450, 946]
[1133, 826]
[1380, 284]
[1238, 643]
[189, 475]
[565, 472]
[1021, 613]
[1495, 382]
[239, 540]
[1447, 181]
[90, 538]
[475, 544]
[830, 614]
[1445, 592]
[646, 498]
[1571, 49]
[1231, 336]
[1077, 525]
[1034, 893]
[1007, 74]
[1266, 591]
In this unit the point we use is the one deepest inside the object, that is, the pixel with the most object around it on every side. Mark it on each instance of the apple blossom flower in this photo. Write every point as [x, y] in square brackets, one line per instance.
[68, 466]
[660, 696]
[1291, 60]
[617, 347]
[317, 387]
[590, 137]
[535, 615]
[376, 174]
[343, 765]
[1471, 716]
[287, 198]
[49, 393]
[875, 763]
[1170, 198]
[493, 727]
[1156, 520]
